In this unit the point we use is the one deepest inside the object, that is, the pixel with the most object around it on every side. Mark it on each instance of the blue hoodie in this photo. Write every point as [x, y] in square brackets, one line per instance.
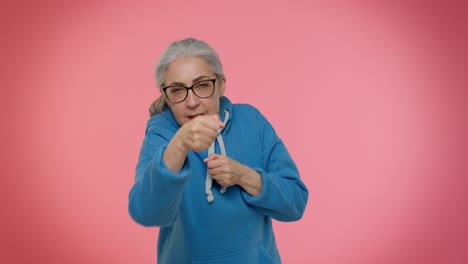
[235, 227]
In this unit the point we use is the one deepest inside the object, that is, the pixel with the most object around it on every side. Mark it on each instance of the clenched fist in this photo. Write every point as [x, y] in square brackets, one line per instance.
[224, 170]
[200, 132]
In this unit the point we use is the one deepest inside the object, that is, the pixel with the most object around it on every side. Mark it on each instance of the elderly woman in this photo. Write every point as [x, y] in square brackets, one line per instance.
[211, 174]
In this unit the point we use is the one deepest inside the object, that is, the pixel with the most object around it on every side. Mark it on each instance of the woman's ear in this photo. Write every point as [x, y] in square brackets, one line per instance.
[222, 86]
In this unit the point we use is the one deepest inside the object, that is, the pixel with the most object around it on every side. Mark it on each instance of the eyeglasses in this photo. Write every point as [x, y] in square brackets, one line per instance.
[202, 89]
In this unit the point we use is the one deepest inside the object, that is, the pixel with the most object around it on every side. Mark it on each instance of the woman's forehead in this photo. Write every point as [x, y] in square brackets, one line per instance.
[187, 68]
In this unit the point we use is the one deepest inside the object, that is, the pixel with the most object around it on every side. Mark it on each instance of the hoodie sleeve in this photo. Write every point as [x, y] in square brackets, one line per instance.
[156, 195]
[284, 196]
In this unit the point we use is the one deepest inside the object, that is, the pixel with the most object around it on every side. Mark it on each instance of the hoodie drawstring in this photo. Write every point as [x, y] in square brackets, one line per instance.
[211, 150]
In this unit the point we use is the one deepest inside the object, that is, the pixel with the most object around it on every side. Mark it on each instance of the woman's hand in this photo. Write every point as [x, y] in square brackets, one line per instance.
[196, 135]
[200, 132]
[224, 170]
[228, 172]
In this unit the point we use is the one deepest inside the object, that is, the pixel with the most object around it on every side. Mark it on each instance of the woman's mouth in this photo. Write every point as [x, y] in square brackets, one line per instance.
[193, 116]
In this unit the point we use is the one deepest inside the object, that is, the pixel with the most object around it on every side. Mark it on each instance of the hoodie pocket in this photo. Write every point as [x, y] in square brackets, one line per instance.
[252, 254]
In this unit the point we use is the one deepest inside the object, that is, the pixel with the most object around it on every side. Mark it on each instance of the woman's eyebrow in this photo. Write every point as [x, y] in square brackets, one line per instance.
[199, 78]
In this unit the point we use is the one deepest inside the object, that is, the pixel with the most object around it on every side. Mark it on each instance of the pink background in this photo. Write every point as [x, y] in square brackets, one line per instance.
[371, 100]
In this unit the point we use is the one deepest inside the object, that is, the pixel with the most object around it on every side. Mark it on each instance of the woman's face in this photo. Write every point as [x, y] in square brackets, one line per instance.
[187, 71]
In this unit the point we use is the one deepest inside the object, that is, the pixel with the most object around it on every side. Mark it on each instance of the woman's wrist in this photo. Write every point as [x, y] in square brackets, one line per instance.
[175, 154]
[250, 180]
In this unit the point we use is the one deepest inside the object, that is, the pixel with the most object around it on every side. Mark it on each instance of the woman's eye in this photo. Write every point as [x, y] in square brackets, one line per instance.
[203, 85]
[176, 90]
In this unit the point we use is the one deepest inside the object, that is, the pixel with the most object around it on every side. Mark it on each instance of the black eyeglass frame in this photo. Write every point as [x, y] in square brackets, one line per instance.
[191, 88]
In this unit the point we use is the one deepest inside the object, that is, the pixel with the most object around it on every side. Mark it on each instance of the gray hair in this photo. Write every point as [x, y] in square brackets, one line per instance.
[189, 47]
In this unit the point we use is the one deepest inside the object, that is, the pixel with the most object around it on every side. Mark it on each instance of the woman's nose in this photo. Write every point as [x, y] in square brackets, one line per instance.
[191, 100]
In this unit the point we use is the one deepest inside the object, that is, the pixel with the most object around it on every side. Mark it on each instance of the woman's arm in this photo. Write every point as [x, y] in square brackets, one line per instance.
[163, 169]
[283, 195]
[156, 195]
